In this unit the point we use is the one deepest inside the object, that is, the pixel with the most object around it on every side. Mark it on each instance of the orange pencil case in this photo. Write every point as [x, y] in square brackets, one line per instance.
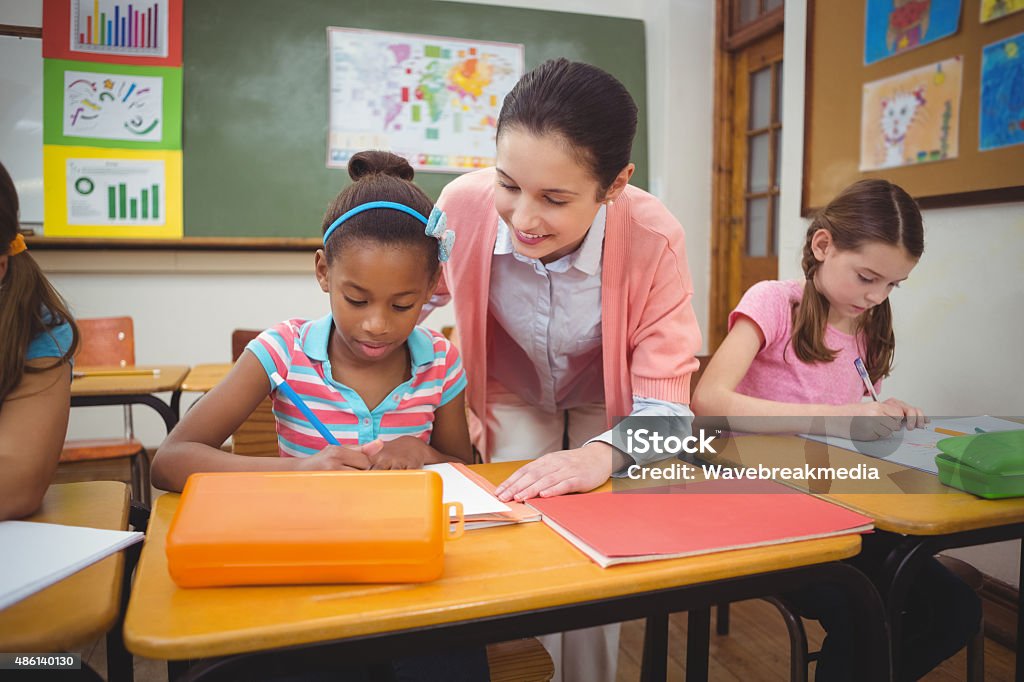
[274, 528]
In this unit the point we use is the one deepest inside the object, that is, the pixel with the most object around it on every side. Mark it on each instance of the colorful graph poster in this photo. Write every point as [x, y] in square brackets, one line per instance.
[112, 192]
[111, 105]
[997, 9]
[895, 26]
[434, 101]
[1002, 93]
[113, 31]
[912, 117]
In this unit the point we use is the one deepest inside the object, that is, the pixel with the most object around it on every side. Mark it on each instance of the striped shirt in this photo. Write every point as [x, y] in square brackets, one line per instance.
[297, 350]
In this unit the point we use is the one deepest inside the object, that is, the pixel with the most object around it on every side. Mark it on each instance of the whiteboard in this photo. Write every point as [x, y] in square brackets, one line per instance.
[21, 121]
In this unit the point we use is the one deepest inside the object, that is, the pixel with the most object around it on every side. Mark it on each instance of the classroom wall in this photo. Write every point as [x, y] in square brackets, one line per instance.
[958, 319]
[185, 304]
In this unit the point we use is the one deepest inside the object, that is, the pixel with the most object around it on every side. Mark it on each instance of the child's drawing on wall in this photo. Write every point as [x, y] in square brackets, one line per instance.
[895, 26]
[911, 117]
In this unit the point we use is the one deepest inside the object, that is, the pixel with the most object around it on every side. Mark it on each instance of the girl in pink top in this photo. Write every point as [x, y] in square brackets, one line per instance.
[789, 356]
[791, 346]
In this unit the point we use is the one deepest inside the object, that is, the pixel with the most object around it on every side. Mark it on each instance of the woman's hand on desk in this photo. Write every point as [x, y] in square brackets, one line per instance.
[559, 473]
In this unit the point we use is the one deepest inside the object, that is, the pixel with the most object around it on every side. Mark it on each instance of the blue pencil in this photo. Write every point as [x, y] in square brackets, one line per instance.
[303, 408]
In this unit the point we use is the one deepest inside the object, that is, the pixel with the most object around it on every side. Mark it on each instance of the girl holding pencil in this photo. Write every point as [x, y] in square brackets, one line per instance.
[820, 347]
[363, 387]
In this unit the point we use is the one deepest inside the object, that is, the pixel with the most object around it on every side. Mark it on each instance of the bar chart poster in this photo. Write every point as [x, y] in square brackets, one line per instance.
[113, 31]
[112, 193]
[111, 105]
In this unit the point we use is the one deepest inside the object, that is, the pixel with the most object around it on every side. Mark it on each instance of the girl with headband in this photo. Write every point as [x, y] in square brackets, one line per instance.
[388, 393]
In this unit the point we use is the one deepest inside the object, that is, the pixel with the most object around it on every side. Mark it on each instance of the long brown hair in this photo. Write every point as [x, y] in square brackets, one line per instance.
[29, 305]
[867, 211]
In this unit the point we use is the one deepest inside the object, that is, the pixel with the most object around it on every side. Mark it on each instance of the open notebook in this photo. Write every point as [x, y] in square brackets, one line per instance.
[917, 449]
[480, 507]
[36, 555]
[691, 519]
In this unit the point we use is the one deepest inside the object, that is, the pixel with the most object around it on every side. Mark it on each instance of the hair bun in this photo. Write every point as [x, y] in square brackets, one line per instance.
[367, 163]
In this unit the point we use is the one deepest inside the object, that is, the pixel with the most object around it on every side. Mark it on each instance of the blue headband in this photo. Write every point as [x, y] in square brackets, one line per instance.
[435, 225]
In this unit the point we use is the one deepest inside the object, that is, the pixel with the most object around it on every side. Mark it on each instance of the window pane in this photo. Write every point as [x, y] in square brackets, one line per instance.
[758, 163]
[757, 227]
[760, 98]
[749, 11]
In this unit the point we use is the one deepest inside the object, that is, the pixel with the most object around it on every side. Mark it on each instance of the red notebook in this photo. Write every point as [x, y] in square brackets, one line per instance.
[696, 518]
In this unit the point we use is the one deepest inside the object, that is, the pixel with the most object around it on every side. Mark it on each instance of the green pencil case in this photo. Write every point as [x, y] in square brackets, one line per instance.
[989, 465]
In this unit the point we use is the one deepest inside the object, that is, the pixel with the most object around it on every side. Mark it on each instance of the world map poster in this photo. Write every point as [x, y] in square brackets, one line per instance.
[433, 100]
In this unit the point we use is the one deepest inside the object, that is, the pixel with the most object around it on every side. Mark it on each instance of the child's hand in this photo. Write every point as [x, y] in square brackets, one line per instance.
[336, 458]
[874, 420]
[914, 416]
[406, 452]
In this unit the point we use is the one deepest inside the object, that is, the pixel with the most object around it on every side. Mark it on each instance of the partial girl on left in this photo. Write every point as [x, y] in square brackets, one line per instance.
[38, 339]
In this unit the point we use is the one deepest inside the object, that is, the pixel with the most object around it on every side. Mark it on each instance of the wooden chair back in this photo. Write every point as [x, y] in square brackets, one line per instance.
[695, 377]
[106, 342]
[257, 436]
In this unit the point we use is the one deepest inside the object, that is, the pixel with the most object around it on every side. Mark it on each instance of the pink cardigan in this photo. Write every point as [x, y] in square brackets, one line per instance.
[649, 333]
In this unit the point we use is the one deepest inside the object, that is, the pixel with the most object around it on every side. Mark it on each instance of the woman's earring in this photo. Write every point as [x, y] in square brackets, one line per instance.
[610, 202]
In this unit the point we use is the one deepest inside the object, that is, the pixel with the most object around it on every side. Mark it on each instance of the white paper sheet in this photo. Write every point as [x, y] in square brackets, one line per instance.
[37, 555]
[458, 488]
[917, 448]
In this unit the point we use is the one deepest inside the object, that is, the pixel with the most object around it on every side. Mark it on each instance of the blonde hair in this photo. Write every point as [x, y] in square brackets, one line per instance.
[867, 211]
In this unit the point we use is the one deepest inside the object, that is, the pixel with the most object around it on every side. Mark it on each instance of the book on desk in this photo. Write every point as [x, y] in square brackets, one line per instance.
[689, 519]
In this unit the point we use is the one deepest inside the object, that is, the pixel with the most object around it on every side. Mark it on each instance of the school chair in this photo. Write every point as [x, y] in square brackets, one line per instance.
[107, 342]
[519, 660]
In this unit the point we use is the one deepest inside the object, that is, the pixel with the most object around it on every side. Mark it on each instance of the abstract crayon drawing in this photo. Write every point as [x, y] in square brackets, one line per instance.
[1002, 93]
[912, 117]
[113, 106]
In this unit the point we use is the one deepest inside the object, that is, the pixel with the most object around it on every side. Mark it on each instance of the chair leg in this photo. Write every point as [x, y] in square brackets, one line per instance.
[976, 655]
[798, 657]
[722, 619]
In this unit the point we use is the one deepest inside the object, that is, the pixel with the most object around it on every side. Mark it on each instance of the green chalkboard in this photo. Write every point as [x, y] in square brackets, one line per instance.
[256, 99]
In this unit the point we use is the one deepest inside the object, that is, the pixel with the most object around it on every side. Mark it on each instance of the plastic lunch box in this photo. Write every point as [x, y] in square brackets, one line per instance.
[989, 465]
[273, 528]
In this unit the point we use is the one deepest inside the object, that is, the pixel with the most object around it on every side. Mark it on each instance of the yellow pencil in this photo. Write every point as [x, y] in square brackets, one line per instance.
[949, 432]
[117, 372]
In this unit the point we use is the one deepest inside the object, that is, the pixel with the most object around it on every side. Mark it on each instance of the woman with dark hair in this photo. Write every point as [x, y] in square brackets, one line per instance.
[571, 292]
[37, 341]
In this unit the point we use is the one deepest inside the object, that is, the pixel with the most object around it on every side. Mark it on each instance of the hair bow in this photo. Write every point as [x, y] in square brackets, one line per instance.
[437, 228]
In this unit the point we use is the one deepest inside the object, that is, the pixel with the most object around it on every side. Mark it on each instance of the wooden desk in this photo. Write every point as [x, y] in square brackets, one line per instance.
[202, 378]
[83, 606]
[132, 388]
[933, 517]
[499, 583]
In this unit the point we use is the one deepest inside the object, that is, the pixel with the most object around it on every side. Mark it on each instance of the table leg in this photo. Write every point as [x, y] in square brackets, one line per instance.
[698, 639]
[655, 661]
[1019, 674]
